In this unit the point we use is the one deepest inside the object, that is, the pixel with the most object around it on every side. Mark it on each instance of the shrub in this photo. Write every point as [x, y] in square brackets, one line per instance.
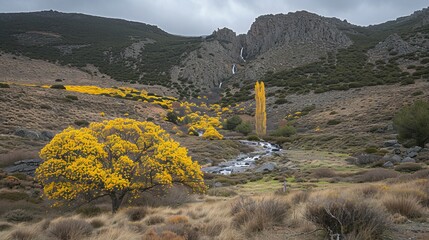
[281, 101]
[285, 131]
[333, 122]
[89, 211]
[232, 122]
[172, 117]
[136, 213]
[97, 223]
[417, 93]
[58, 86]
[81, 123]
[371, 150]
[45, 106]
[323, 173]
[150, 119]
[72, 97]
[13, 195]
[18, 215]
[412, 123]
[300, 197]
[377, 174]
[244, 128]
[4, 85]
[408, 167]
[344, 218]
[257, 215]
[58, 80]
[69, 229]
[155, 219]
[405, 205]
[212, 134]
[253, 138]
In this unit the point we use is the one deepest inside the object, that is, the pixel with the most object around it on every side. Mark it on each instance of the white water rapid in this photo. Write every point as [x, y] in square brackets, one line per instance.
[241, 54]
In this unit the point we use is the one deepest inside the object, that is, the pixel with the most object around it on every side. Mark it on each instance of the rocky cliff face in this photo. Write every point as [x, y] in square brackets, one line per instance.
[273, 43]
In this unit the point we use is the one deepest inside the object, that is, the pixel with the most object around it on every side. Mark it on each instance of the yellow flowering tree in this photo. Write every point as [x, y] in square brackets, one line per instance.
[114, 158]
[260, 115]
[212, 134]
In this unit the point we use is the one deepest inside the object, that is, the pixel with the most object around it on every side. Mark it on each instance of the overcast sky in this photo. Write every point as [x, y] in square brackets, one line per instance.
[201, 17]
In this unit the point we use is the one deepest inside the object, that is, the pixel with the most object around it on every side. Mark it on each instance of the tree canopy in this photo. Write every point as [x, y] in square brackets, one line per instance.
[114, 158]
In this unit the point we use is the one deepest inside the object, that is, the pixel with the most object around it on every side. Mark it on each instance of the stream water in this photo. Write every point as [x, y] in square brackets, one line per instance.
[246, 161]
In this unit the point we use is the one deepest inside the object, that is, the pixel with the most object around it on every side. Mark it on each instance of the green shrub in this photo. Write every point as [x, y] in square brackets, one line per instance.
[172, 117]
[232, 122]
[408, 167]
[72, 97]
[5, 226]
[244, 128]
[417, 93]
[412, 123]
[285, 131]
[81, 123]
[97, 223]
[18, 215]
[371, 150]
[253, 138]
[4, 85]
[333, 122]
[58, 86]
[281, 101]
[150, 119]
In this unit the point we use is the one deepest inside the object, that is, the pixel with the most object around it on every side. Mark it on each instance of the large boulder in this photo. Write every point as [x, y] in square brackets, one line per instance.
[408, 160]
[24, 166]
[390, 143]
[266, 167]
[388, 164]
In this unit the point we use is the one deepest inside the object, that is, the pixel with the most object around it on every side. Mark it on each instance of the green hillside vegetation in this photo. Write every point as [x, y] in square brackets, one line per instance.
[95, 40]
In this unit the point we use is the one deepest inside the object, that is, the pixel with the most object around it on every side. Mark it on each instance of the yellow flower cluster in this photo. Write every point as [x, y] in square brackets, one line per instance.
[111, 156]
[212, 134]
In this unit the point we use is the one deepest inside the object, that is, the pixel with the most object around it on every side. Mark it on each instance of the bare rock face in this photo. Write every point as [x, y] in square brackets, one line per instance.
[393, 46]
[301, 27]
[273, 43]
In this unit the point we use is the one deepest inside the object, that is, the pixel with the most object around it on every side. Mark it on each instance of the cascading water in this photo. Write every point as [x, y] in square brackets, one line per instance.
[220, 84]
[241, 54]
[234, 69]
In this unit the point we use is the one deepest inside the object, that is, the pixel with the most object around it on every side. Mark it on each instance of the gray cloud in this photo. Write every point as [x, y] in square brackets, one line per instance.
[201, 17]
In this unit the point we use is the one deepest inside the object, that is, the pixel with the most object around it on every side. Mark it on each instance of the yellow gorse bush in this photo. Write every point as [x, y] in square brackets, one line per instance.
[114, 158]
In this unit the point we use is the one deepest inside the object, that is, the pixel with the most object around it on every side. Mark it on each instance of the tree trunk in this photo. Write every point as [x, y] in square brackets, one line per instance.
[116, 201]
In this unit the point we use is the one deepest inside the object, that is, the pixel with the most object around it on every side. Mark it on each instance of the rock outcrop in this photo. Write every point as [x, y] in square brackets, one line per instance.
[393, 46]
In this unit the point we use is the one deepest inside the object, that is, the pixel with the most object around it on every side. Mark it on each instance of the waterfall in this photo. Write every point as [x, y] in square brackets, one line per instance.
[241, 54]
[220, 84]
[234, 68]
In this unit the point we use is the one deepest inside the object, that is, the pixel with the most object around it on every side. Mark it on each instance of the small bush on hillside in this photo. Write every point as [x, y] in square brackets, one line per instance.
[72, 97]
[221, 192]
[281, 101]
[172, 117]
[4, 85]
[377, 174]
[244, 128]
[323, 173]
[22, 235]
[58, 86]
[232, 122]
[5, 226]
[253, 138]
[68, 229]
[412, 123]
[18, 215]
[81, 123]
[371, 150]
[333, 122]
[150, 119]
[177, 219]
[285, 131]
[97, 223]
[343, 218]
[417, 93]
[408, 167]
[136, 213]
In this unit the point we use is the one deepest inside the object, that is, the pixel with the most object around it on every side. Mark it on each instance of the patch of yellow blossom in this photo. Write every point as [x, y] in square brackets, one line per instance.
[114, 157]
[212, 134]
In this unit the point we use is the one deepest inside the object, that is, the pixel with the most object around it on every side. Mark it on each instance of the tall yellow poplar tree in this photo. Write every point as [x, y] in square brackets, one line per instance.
[113, 159]
[260, 115]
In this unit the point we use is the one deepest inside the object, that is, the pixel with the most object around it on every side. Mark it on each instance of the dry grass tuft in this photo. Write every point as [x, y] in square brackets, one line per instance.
[343, 217]
[323, 173]
[257, 215]
[177, 219]
[22, 235]
[136, 213]
[377, 174]
[18, 215]
[69, 229]
[407, 206]
[154, 219]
